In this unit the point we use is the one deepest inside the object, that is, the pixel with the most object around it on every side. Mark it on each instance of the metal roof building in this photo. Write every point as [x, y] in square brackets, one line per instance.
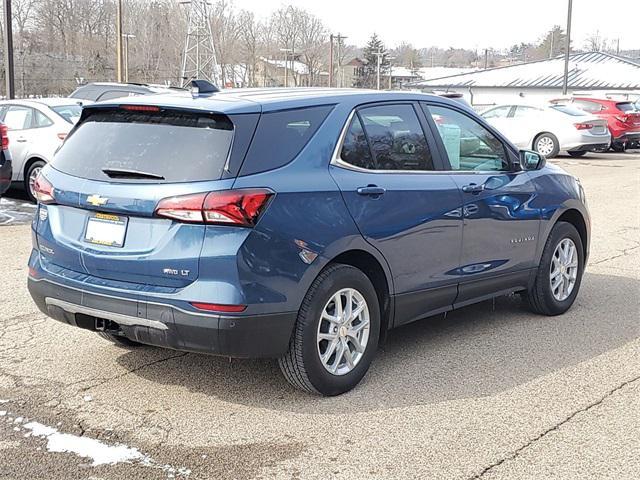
[587, 71]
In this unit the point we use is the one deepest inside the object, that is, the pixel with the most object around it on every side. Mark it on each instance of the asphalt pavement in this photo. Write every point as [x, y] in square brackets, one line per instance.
[491, 391]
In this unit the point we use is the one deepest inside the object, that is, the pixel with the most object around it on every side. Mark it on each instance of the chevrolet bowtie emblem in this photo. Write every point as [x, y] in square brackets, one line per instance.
[97, 200]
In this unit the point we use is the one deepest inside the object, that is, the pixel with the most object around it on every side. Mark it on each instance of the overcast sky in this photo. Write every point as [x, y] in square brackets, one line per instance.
[467, 23]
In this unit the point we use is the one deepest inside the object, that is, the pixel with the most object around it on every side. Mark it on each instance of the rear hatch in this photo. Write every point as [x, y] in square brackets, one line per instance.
[630, 115]
[107, 181]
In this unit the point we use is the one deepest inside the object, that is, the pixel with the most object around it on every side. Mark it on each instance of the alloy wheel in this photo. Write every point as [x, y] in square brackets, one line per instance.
[32, 180]
[564, 269]
[343, 331]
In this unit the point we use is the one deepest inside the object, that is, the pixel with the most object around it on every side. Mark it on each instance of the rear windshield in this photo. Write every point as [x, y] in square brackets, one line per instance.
[574, 112]
[129, 146]
[71, 113]
[626, 106]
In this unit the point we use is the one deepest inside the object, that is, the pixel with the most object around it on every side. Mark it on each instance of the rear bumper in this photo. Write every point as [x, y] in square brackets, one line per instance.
[589, 147]
[5, 173]
[164, 325]
[632, 139]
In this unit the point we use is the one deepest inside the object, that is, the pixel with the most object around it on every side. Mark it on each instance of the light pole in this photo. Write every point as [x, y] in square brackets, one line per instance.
[126, 37]
[379, 54]
[567, 50]
[119, 40]
[8, 52]
[286, 52]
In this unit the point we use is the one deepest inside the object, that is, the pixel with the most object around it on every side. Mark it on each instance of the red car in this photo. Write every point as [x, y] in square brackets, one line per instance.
[622, 116]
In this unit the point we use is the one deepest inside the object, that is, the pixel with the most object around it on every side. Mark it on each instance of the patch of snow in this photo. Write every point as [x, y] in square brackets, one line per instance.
[3, 413]
[87, 398]
[4, 401]
[99, 452]
[18, 420]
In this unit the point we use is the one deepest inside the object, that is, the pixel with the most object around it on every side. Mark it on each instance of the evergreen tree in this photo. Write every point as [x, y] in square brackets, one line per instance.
[370, 70]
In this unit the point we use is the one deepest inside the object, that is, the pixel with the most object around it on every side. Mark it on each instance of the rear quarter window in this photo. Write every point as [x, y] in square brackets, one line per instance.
[281, 136]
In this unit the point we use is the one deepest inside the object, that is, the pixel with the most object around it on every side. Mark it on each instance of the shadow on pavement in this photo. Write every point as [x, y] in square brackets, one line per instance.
[476, 351]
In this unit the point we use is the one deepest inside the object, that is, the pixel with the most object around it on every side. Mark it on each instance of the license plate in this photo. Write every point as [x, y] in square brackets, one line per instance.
[106, 229]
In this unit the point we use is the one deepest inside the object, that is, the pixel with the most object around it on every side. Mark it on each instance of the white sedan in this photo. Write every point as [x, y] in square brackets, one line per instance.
[550, 129]
[36, 128]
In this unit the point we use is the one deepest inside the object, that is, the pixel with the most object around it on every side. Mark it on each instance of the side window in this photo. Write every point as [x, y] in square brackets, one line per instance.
[497, 112]
[113, 94]
[41, 120]
[396, 138]
[355, 148]
[18, 117]
[523, 111]
[469, 145]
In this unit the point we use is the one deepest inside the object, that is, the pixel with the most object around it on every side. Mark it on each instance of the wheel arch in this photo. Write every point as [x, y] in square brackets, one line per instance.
[575, 218]
[374, 270]
[30, 161]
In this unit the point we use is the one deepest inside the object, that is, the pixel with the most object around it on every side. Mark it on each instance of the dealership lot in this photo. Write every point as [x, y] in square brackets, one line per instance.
[491, 391]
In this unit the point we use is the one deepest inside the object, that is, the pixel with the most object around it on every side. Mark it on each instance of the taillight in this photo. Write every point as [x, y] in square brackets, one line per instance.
[227, 207]
[217, 307]
[62, 136]
[43, 190]
[4, 133]
[583, 126]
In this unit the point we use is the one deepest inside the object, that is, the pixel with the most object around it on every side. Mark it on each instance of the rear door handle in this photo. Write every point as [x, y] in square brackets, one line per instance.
[473, 188]
[372, 190]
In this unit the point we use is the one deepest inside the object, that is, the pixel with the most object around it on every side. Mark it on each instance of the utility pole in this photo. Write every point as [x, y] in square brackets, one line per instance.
[486, 58]
[119, 41]
[331, 60]
[126, 37]
[551, 49]
[567, 50]
[339, 38]
[379, 54]
[8, 52]
[286, 52]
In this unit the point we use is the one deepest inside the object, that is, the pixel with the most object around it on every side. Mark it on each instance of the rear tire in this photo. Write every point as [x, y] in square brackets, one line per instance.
[317, 343]
[542, 298]
[619, 147]
[546, 144]
[577, 154]
[120, 340]
[29, 177]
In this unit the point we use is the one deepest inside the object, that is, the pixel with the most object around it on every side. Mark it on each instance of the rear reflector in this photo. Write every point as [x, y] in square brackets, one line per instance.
[583, 126]
[43, 190]
[215, 307]
[227, 207]
[140, 108]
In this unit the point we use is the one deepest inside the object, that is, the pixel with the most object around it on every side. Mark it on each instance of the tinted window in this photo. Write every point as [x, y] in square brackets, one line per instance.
[498, 112]
[71, 113]
[469, 145]
[355, 148]
[178, 146]
[281, 136]
[626, 106]
[396, 138]
[18, 118]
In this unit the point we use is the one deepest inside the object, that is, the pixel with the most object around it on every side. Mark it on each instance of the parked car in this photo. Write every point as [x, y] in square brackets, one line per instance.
[36, 128]
[622, 118]
[6, 168]
[296, 224]
[101, 91]
[550, 129]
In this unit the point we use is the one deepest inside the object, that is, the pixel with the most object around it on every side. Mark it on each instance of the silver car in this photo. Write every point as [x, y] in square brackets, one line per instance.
[36, 128]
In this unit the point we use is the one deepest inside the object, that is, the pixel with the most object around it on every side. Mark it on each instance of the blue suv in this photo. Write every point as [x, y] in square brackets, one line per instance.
[297, 224]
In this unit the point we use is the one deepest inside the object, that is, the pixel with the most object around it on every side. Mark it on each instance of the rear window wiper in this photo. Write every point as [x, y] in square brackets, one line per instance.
[125, 173]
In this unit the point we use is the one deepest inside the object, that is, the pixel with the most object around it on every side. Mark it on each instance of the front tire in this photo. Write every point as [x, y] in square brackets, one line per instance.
[560, 272]
[546, 144]
[336, 333]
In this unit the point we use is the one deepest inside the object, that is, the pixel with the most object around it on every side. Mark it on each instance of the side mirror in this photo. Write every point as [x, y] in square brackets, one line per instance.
[530, 160]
